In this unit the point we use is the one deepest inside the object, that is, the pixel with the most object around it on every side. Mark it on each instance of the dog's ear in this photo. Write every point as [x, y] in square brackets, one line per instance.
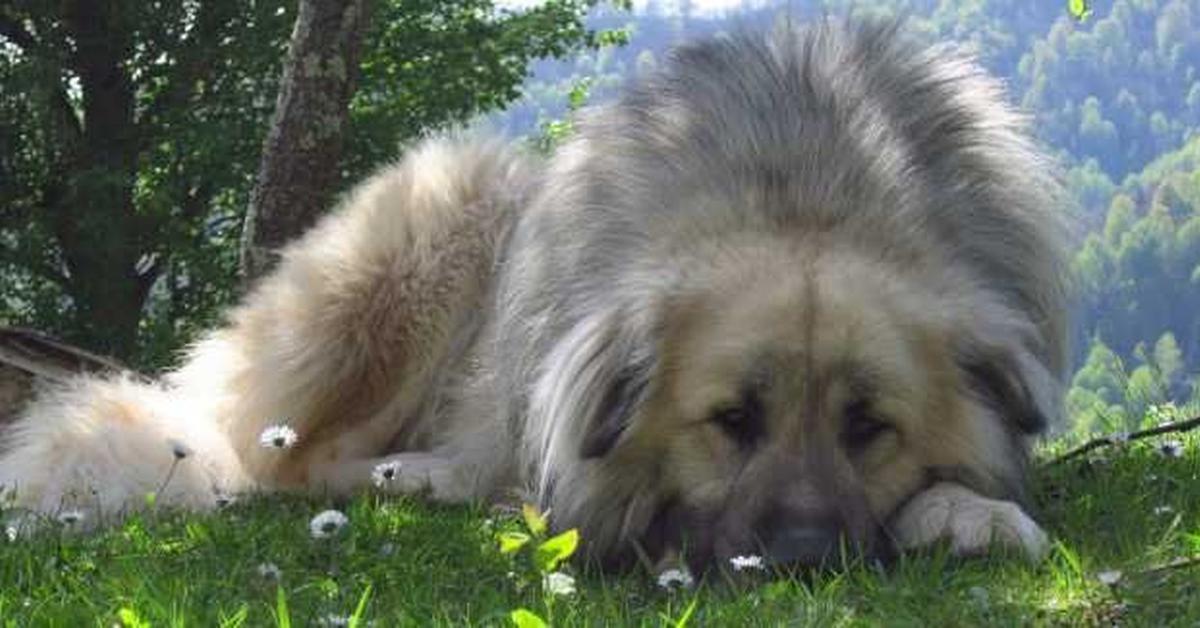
[1001, 368]
[591, 386]
[625, 392]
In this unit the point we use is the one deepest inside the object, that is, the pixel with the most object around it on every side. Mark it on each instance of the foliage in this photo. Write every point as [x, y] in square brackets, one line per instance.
[554, 132]
[1079, 9]
[534, 558]
[1139, 275]
[431, 64]
[1118, 89]
[120, 166]
[1107, 397]
[201, 78]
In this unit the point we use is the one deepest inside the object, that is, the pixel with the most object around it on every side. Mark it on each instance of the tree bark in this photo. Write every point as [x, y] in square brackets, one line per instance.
[299, 167]
[94, 216]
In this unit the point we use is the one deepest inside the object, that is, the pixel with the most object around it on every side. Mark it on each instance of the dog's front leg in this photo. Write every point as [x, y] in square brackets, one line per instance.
[442, 478]
[971, 523]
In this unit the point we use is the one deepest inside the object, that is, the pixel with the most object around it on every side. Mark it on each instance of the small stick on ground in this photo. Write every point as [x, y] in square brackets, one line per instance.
[1103, 441]
[1178, 563]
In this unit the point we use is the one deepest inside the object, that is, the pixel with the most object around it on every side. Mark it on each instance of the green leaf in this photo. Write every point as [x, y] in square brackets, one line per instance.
[525, 618]
[237, 619]
[283, 618]
[1079, 9]
[151, 499]
[534, 520]
[512, 541]
[553, 551]
[683, 620]
[130, 619]
[579, 93]
[357, 618]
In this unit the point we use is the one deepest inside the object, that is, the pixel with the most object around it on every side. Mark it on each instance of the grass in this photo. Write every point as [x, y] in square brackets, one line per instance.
[402, 562]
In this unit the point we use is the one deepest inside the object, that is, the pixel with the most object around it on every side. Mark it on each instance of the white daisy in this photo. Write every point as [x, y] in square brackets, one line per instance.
[277, 437]
[11, 533]
[1110, 578]
[1171, 448]
[223, 500]
[385, 473]
[558, 583]
[672, 578]
[269, 571]
[70, 517]
[179, 449]
[1163, 510]
[327, 524]
[334, 621]
[742, 563]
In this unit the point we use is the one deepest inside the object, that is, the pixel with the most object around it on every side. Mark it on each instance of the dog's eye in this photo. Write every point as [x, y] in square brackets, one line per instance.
[861, 427]
[742, 422]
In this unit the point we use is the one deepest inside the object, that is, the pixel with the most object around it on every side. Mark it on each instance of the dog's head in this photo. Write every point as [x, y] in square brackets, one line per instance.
[787, 404]
[779, 290]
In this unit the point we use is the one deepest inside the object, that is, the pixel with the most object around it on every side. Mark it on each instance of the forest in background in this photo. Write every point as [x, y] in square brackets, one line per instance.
[1117, 97]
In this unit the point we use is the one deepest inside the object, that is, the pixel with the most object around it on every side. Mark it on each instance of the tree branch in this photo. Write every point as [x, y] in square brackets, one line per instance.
[1103, 441]
[1179, 563]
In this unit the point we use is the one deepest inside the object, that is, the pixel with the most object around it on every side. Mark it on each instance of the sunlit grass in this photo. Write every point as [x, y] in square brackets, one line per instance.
[402, 562]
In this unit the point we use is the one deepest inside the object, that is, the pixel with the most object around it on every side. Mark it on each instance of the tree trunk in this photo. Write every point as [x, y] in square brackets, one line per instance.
[299, 166]
[94, 217]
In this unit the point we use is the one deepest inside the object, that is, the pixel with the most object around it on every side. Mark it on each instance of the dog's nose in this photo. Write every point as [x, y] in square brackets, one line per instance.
[804, 545]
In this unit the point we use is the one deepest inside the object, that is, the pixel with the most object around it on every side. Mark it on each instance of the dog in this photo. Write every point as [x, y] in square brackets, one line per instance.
[799, 291]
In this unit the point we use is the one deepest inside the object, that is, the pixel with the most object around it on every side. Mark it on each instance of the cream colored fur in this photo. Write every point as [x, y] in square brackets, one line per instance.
[343, 343]
[99, 446]
[970, 523]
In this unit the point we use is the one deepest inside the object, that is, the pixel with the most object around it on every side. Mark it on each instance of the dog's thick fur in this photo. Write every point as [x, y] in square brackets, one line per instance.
[794, 290]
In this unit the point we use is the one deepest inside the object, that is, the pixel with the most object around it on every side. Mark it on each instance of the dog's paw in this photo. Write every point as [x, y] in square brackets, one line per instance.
[971, 523]
[415, 473]
[408, 473]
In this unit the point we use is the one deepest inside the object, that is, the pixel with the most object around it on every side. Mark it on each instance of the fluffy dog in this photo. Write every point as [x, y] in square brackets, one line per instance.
[795, 292]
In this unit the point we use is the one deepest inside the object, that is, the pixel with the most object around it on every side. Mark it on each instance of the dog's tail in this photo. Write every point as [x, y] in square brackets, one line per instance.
[103, 444]
[345, 343]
